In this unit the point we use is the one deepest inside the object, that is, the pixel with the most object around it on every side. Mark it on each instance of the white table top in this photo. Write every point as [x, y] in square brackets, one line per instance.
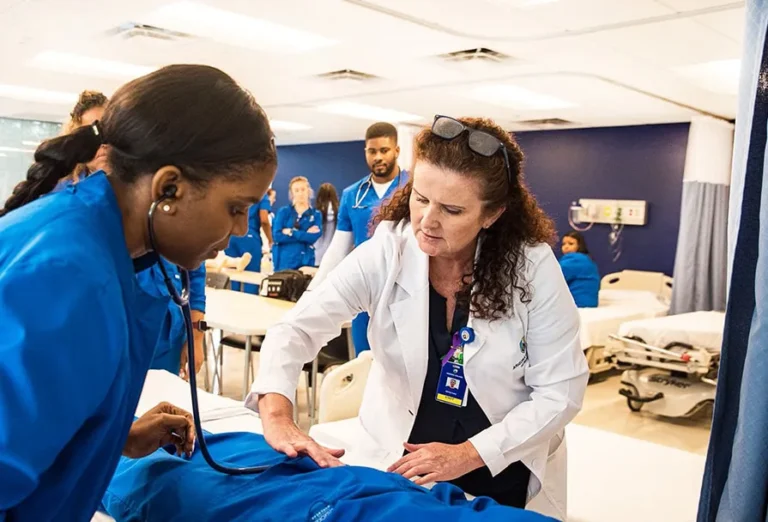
[246, 276]
[242, 313]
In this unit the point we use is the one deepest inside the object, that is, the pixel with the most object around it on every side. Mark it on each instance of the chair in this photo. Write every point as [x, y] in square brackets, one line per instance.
[342, 390]
[335, 353]
[217, 280]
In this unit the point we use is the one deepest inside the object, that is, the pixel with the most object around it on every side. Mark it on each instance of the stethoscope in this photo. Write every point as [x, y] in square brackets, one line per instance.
[182, 300]
[368, 183]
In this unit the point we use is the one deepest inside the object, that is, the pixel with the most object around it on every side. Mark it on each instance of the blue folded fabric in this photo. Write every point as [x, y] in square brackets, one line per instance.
[163, 487]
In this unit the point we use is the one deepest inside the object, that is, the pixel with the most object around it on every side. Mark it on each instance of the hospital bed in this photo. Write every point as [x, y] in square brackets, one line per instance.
[624, 296]
[670, 363]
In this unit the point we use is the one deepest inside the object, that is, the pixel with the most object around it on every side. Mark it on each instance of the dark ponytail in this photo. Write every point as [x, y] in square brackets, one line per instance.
[54, 159]
[193, 117]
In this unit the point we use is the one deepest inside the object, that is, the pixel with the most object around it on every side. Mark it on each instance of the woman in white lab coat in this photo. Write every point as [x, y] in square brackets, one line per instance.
[477, 366]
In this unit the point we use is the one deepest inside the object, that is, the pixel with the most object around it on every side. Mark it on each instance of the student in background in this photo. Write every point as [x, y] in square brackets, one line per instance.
[579, 270]
[88, 109]
[251, 243]
[358, 204]
[327, 203]
[296, 228]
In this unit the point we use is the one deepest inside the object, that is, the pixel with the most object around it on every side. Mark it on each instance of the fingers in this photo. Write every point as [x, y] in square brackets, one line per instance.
[338, 453]
[317, 453]
[288, 449]
[412, 447]
[417, 470]
[427, 479]
[402, 461]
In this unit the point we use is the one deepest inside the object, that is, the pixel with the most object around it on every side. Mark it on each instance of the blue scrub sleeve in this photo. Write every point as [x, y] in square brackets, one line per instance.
[569, 268]
[310, 237]
[197, 288]
[281, 221]
[264, 204]
[56, 365]
[344, 220]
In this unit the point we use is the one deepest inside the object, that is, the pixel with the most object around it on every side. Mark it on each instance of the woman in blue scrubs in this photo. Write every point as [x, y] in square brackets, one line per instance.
[258, 220]
[579, 270]
[79, 333]
[170, 352]
[296, 228]
[171, 348]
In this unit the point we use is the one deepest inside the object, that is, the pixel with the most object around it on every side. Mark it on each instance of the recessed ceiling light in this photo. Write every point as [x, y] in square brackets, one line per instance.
[367, 112]
[720, 76]
[235, 29]
[14, 149]
[31, 143]
[18, 92]
[517, 98]
[88, 66]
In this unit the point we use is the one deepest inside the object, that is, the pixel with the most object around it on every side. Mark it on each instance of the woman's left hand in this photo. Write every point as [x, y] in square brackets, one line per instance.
[437, 462]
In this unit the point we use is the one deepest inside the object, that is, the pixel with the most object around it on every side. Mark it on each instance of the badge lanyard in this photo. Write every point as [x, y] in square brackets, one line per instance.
[452, 386]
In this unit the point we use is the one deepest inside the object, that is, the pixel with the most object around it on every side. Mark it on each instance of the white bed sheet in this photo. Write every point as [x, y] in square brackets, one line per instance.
[598, 323]
[702, 329]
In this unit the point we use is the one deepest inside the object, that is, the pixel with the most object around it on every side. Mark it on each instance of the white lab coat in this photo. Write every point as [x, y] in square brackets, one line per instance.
[529, 395]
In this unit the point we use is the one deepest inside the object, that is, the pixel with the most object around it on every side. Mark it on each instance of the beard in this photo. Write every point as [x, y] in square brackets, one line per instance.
[383, 173]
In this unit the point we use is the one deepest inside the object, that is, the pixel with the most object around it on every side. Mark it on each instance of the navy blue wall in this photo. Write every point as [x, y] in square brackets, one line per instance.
[642, 162]
[340, 164]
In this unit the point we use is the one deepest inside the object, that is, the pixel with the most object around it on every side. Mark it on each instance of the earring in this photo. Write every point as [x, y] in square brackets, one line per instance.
[166, 208]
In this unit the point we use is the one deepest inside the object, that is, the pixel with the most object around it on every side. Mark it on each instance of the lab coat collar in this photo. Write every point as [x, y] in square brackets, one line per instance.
[414, 265]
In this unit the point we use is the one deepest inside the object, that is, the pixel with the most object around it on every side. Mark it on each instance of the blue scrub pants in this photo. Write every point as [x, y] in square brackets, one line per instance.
[360, 333]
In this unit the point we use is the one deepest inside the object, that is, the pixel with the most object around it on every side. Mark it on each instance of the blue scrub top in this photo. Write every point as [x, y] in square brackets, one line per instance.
[582, 277]
[356, 218]
[251, 242]
[173, 333]
[291, 252]
[78, 335]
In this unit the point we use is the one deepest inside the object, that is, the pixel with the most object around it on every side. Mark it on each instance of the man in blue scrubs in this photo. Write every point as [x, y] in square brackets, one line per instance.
[258, 218]
[357, 207]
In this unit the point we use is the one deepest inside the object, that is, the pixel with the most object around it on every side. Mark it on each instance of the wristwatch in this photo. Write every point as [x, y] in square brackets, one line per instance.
[200, 325]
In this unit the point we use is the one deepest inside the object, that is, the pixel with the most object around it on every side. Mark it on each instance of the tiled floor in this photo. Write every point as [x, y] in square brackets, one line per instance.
[603, 409]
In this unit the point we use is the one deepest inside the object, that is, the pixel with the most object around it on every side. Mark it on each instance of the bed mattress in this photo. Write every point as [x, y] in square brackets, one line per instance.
[701, 329]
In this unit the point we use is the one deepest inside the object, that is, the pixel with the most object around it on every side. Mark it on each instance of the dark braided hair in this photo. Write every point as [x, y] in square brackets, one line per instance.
[496, 276]
[194, 117]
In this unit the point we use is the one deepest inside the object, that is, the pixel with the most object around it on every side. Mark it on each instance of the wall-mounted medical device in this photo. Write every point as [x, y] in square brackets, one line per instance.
[613, 212]
[609, 211]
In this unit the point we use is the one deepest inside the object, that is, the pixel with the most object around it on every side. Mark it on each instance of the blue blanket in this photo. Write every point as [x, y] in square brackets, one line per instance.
[164, 487]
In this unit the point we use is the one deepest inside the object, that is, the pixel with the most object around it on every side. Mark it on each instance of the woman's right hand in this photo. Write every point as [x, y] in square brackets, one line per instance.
[282, 434]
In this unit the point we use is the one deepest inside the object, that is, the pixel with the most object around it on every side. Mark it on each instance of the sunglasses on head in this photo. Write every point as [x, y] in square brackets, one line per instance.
[480, 142]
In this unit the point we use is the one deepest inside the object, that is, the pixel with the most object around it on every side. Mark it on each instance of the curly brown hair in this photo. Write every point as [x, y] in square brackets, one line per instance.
[496, 276]
[85, 102]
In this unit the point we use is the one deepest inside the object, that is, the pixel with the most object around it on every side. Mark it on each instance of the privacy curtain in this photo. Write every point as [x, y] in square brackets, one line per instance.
[701, 258]
[735, 485]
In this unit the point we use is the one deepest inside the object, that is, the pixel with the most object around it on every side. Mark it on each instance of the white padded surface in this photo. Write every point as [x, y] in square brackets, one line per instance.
[701, 329]
[598, 323]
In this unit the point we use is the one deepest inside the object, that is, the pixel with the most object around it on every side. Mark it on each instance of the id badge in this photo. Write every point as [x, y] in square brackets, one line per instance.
[452, 386]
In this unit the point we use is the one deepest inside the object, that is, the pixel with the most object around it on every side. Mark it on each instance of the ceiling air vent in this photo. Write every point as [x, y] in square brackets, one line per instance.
[547, 122]
[136, 30]
[347, 75]
[480, 54]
